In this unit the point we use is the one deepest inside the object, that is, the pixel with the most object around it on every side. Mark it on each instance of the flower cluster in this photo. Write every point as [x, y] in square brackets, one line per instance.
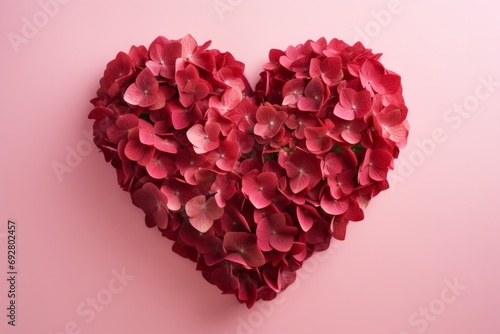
[249, 184]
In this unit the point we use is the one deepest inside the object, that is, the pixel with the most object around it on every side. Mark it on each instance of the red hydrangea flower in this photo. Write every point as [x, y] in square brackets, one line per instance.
[117, 73]
[144, 92]
[260, 188]
[242, 248]
[202, 212]
[329, 69]
[163, 55]
[269, 121]
[352, 104]
[304, 171]
[273, 233]
[204, 138]
[191, 87]
[314, 96]
[375, 166]
[375, 78]
[154, 204]
[250, 183]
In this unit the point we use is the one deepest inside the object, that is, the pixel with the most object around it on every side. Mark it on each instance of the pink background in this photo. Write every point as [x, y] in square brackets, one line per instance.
[439, 222]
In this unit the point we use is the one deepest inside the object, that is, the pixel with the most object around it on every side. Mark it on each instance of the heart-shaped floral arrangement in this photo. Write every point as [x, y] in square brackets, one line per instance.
[250, 183]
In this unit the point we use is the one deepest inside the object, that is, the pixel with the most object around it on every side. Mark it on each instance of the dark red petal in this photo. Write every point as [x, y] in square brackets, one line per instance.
[245, 245]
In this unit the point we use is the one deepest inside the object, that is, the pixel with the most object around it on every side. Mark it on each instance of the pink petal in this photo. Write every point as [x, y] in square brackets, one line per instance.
[167, 55]
[185, 77]
[204, 60]
[314, 95]
[201, 222]
[226, 155]
[315, 67]
[317, 140]
[204, 137]
[380, 158]
[201, 89]
[273, 233]
[282, 242]
[195, 209]
[346, 113]
[371, 72]
[347, 99]
[166, 144]
[299, 251]
[299, 183]
[333, 206]
[292, 90]
[135, 150]
[178, 193]
[180, 114]
[189, 46]
[260, 188]
[351, 137]
[244, 141]
[331, 68]
[160, 166]
[306, 216]
[268, 123]
[226, 124]
[229, 100]
[389, 116]
[259, 200]
[264, 231]
[377, 174]
[362, 104]
[146, 134]
[391, 83]
[121, 128]
[213, 211]
[127, 121]
[133, 95]
[144, 92]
